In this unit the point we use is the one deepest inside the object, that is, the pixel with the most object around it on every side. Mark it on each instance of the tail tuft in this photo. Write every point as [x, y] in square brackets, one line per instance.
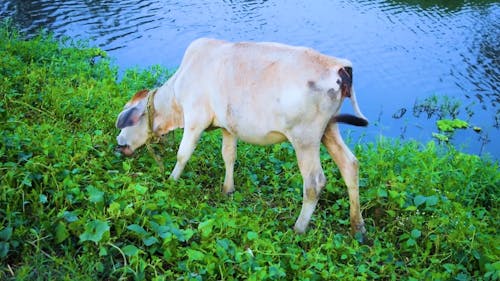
[350, 119]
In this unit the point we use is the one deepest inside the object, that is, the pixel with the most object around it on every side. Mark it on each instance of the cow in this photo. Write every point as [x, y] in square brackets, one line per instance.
[260, 93]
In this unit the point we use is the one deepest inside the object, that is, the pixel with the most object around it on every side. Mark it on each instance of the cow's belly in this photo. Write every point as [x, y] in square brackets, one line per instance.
[261, 139]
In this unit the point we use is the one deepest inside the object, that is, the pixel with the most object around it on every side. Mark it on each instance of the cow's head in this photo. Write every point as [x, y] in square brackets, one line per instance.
[134, 124]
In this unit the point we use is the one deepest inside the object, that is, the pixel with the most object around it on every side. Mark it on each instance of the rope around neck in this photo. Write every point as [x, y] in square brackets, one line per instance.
[151, 134]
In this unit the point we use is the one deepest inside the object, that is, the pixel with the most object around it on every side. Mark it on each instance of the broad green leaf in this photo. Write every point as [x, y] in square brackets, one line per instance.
[137, 229]
[410, 242]
[103, 251]
[61, 232]
[195, 255]
[206, 227]
[251, 235]
[6, 233]
[150, 240]
[126, 166]
[276, 271]
[188, 233]
[114, 208]
[140, 189]
[4, 249]
[94, 231]
[179, 234]
[449, 267]
[419, 200]
[70, 216]
[431, 200]
[415, 233]
[381, 192]
[224, 243]
[411, 208]
[95, 195]
[130, 250]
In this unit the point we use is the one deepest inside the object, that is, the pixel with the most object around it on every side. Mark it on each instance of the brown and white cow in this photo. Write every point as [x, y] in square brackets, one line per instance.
[261, 93]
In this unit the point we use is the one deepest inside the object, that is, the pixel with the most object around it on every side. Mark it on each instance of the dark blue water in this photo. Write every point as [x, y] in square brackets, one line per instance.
[404, 52]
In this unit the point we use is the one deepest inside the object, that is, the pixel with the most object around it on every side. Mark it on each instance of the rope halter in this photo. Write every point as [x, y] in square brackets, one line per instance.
[152, 137]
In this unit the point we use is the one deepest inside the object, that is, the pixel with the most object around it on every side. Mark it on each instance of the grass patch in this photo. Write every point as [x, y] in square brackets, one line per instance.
[72, 208]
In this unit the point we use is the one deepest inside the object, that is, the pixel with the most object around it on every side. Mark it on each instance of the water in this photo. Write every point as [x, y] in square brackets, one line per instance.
[403, 51]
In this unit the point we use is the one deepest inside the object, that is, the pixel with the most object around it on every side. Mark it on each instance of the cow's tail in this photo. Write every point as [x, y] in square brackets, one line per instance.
[357, 120]
[350, 119]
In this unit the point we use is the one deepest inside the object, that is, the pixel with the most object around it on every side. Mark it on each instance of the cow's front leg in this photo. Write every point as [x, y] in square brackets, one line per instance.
[313, 182]
[229, 155]
[348, 166]
[188, 143]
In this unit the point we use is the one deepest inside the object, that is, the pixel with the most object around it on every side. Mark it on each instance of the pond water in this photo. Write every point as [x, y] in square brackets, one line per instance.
[412, 59]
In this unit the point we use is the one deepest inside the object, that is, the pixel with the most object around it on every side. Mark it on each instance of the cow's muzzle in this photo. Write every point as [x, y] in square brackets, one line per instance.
[125, 150]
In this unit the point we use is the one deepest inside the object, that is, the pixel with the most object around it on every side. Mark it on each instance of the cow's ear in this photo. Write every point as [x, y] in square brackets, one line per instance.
[129, 117]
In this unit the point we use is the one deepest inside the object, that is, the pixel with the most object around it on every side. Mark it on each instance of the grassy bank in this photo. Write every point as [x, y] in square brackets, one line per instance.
[72, 208]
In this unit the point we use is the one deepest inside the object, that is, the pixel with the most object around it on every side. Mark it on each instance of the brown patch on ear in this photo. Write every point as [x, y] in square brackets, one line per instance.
[139, 96]
[345, 74]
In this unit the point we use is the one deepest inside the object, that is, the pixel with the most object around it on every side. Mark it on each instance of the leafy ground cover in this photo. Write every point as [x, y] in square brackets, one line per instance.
[71, 208]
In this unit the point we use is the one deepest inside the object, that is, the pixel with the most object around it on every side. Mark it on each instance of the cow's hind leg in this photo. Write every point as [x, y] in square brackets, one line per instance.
[229, 142]
[313, 182]
[348, 166]
[188, 143]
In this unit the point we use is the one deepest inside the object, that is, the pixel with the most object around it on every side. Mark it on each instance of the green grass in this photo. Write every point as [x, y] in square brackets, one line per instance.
[71, 208]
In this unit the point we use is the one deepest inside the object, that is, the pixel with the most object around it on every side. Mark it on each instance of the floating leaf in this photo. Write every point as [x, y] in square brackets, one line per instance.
[441, 137]
[447, 125]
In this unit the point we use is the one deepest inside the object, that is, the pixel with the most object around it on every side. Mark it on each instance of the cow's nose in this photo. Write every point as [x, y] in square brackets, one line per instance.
[125, 150]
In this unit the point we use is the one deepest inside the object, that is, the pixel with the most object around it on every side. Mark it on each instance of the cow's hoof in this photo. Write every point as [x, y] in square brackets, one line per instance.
[360, 236]
[299, 229]
[228, 191]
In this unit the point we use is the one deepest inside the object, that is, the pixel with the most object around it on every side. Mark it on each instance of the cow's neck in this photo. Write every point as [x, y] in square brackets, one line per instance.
[169, 112]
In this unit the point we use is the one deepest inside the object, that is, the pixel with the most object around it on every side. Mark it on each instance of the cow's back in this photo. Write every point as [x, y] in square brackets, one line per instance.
[258, 91]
